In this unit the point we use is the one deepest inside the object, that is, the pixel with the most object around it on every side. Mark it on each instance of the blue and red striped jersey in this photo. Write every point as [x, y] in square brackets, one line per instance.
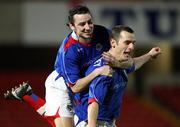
[107, 91]
[73, 57]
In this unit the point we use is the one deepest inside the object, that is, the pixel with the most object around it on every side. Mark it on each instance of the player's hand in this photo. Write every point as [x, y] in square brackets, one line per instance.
[155, 52]
[109, 58]
[113, 62]
[105, 70]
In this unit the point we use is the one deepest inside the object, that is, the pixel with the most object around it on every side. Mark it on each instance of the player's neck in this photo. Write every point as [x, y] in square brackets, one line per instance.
[84, 41]
[114, 54]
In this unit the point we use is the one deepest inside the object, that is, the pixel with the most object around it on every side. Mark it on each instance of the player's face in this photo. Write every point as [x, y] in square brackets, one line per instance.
[125, 45]
[83, 27]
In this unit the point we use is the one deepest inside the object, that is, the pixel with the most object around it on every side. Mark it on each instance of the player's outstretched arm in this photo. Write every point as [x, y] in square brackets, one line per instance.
[152, 54]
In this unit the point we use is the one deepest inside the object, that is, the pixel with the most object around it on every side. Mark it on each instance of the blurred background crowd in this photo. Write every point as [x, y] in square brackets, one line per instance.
[31, 32]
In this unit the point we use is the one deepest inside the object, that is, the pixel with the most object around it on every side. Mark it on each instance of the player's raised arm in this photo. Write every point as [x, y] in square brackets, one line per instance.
[152, 54]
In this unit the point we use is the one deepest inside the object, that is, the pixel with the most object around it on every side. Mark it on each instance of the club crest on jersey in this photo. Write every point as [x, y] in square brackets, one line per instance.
[99, 46]
[80, 49]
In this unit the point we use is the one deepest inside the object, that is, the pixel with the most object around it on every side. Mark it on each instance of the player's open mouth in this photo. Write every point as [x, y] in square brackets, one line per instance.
[127, 53]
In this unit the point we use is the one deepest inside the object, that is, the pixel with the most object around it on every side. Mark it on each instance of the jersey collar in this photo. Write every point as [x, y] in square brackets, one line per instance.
[75, 37]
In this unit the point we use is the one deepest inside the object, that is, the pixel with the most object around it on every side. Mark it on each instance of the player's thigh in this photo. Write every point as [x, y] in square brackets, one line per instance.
[67, 121]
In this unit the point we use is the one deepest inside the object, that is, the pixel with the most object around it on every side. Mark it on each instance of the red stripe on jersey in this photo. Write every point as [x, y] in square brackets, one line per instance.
[70, 41]
[92, 100]
[86, 44]
[70, 84]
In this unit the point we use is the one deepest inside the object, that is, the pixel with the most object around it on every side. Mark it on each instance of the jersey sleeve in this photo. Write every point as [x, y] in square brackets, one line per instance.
[98, 89]
[71, 66]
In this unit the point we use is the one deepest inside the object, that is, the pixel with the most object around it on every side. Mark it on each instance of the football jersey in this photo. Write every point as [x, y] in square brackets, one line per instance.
[107, 91]
[74, 57]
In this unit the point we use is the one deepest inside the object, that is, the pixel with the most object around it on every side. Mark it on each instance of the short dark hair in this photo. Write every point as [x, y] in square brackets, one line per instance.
[78, 9]
[116, 30]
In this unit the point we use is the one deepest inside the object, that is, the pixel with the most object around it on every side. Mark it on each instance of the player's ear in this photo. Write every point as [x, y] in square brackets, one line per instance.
[113, 42]
[71, 26]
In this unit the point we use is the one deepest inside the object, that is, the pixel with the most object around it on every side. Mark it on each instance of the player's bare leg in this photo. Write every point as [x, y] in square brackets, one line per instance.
[64, 122]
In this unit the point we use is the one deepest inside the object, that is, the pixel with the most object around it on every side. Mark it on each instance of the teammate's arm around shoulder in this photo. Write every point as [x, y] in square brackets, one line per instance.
[117, 63]
[82, 83]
